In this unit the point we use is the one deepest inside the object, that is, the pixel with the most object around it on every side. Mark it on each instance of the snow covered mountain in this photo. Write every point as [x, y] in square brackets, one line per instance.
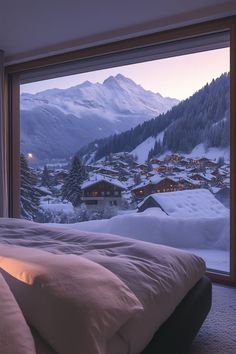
[56, 123]
[198, 126]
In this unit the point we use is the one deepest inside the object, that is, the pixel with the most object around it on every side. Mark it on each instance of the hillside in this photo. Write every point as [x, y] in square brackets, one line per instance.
[56, 123]
[202, 119]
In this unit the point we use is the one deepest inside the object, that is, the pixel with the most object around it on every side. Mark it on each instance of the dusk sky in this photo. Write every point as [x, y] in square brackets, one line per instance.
[177, 77]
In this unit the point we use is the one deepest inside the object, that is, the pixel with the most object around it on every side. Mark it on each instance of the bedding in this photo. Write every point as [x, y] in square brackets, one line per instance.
[158, 276]
[57, 293]
[15, 335]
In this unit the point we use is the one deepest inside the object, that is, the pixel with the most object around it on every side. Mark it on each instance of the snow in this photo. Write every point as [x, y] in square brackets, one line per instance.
[142, 150]
[99, 178]
[212, 153]
[203, 234]
[189, 203]
[111, 100]
[67, 208]
[200, 151]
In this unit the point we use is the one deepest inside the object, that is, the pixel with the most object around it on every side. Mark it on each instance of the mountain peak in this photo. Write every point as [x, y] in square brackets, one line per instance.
[86, 83]
[118, 79]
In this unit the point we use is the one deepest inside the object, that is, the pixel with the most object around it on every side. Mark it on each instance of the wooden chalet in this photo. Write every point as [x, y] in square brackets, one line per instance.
[186, 184]
[102, 193]
[164, 185]
[173, 158]
[202, 179]
[108, 172]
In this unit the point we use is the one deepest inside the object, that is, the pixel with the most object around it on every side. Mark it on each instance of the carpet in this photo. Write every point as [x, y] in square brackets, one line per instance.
[218, 332]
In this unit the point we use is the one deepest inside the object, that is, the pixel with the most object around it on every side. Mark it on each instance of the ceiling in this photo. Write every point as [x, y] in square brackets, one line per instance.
[32, 29]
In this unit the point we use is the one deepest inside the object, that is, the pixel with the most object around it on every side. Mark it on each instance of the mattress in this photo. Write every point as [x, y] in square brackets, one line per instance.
[160, 277]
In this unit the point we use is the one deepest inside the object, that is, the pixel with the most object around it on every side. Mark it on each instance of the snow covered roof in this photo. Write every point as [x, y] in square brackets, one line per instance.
[99, 179]
[189, 203]
[155, 180]
[108, 169]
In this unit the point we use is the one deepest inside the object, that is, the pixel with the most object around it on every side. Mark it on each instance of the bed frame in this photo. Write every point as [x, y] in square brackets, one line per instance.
[177, 333]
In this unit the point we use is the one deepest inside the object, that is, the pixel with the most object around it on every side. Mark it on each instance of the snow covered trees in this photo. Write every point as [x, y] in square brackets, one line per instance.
[201, 119]
[29, 196]
[71, 189]
[46, 179]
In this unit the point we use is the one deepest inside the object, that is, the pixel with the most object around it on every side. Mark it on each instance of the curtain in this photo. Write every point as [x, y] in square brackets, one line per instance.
[3, 139]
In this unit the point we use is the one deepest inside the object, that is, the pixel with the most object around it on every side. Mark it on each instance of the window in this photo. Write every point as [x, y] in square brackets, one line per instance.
[93, 193]
[191, 134]
[91, 202]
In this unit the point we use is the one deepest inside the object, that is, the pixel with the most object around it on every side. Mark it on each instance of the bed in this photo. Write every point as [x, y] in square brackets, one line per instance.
[160, 295]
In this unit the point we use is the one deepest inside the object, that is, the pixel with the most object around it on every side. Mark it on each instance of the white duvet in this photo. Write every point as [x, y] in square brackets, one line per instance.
[153, 278]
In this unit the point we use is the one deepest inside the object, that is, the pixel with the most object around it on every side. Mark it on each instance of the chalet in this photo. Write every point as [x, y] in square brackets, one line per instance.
[155, 186]
[165, 185]
[184, 163]
[219, 174]
[187, 183]
[204, 162]
[187, 203]
[173, 158]
[102, 193]
[107, 172]
[177, 169]
[202, 179]
[163, 168]
[155, 161]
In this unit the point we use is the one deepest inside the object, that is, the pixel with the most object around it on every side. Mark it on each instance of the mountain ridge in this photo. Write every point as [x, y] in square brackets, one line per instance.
[203, 118]
[116, 105]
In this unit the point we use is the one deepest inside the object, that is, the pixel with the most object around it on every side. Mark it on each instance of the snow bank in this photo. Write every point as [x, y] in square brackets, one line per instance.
[154, 226]
[66, 208]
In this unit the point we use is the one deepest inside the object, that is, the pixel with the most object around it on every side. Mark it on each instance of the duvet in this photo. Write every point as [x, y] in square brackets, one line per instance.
[86, 292]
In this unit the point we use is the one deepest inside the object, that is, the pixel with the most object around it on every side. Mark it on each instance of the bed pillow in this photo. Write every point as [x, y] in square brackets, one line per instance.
[75, 304]
[15, 335]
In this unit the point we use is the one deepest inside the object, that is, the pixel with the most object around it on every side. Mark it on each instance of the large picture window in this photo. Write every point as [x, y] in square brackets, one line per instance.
[141, 143]
[135, 143]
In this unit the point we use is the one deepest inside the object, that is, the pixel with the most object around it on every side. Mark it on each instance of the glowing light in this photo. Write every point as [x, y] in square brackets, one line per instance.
[30, 155]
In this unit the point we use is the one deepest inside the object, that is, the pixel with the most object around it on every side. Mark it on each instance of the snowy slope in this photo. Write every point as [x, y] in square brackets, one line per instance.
[142, 150]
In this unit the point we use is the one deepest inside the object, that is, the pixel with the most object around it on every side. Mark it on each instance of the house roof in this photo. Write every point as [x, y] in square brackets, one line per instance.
[155, 180]
[189, 203]
[100, 179]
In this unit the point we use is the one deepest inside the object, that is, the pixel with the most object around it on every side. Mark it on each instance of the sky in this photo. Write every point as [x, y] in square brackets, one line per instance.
[176, 77]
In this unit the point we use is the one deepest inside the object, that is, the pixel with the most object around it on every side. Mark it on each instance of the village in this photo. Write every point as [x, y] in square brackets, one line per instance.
[118, 183]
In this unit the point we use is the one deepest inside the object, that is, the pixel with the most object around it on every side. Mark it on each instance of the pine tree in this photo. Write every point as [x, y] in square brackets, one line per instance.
[29, 196]
[137, 178]
[71, 189]
[46, 179]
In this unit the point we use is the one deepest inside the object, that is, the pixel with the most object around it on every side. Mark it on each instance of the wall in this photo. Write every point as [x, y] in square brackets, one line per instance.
[3, 181]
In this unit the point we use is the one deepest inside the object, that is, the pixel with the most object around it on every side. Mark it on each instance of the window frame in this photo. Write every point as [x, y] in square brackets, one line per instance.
[11, 99]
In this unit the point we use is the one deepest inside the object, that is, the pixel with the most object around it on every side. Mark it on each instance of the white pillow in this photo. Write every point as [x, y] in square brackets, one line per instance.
[15, 335]
[75, 304]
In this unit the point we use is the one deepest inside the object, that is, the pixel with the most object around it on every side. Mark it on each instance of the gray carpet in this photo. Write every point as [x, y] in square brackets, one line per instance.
[218, 333]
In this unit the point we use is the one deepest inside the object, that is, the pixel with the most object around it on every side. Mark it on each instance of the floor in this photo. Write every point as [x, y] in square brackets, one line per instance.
[218, 333]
